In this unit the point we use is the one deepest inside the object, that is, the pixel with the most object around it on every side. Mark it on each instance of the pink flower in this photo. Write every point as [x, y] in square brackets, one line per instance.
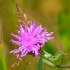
[30, 39]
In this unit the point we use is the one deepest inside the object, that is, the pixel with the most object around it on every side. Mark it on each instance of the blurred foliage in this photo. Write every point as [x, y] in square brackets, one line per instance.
[53, 60]
[64, 25]
[48, 47]
[2, 59]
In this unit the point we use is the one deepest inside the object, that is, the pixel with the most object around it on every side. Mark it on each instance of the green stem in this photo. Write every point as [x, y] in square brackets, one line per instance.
[2, 59]
[40, 63]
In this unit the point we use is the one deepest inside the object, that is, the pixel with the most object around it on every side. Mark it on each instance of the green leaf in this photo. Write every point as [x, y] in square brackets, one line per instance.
[47, 55]
[48, 62]
[52, 59]
[40, 63]
[48, 58]
[58, 55]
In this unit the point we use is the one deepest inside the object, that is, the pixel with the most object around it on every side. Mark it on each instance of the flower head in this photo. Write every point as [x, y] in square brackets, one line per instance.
[30, 39]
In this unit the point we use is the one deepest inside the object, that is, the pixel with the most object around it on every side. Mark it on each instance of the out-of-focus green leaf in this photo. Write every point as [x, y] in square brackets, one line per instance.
[48, 62]
[58, 55]
[66, 42]
[47, 55]
[52, 59]
[40, 63]
[63, 18]
[64, 28]
[49, 48]
[2, 59]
